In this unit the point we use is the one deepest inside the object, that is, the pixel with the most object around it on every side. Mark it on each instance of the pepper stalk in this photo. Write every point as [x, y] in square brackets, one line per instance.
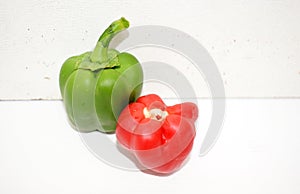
[100, 53]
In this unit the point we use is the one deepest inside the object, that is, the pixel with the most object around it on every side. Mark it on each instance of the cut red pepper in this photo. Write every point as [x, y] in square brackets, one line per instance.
[159, 136]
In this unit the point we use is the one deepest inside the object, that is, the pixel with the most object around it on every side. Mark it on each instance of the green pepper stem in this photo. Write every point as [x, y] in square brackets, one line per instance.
[100, 52]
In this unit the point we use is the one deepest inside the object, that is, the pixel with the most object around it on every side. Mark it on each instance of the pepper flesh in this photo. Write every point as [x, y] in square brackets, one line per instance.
[159, 136]
[97, 85]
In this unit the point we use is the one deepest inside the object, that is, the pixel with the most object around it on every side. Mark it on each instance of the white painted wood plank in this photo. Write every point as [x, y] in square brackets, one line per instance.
[254, 43]
[257, 152]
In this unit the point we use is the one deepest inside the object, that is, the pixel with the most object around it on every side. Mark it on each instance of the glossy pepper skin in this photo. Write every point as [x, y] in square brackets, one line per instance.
[97, 85]
[159, 136]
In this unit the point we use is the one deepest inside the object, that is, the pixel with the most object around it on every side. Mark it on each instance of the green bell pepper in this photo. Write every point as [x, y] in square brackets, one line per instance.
[96, 86]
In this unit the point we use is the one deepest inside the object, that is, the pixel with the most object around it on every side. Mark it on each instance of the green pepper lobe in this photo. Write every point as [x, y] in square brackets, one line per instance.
[96, 86]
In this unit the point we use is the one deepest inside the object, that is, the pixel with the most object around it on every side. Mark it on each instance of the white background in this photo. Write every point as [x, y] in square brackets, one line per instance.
[255, 44]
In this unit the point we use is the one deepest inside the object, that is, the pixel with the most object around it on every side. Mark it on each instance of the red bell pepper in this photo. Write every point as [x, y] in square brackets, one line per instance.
[159, 136]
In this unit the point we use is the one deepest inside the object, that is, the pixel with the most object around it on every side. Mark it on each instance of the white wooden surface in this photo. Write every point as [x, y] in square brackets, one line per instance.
[257, 152]
[255, 43]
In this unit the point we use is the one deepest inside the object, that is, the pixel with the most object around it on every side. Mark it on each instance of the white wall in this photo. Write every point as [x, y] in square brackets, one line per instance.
[254, 43]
